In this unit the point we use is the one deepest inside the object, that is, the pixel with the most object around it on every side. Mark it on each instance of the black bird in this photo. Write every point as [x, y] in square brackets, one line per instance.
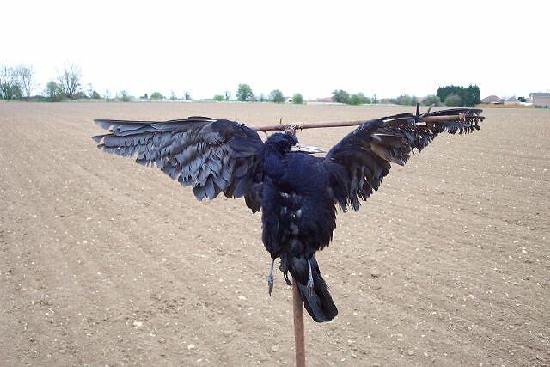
[297, 192]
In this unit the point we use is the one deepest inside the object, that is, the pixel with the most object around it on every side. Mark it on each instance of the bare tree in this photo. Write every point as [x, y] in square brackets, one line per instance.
[10, 87]
[70, 81]
[25, 76]
[3, 79]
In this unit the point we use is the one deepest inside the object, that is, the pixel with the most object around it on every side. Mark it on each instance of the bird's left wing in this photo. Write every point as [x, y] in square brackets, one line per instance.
[210, 155]
[362, 158]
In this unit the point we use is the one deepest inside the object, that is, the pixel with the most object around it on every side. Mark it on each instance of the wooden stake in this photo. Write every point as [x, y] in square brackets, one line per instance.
[298, 311]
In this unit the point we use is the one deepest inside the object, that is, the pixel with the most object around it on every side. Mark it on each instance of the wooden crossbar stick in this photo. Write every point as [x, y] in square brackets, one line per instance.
[302, 126]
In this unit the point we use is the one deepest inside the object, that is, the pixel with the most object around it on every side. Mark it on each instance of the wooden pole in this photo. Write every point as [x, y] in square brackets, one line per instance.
[302, 126]
[298, 311]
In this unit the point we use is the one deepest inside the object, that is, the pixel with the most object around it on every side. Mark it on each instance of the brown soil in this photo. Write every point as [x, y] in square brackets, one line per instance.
[105, 262]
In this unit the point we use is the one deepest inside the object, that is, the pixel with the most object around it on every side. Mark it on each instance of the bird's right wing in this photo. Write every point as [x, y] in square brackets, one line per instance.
[362, 158]
[210, 155]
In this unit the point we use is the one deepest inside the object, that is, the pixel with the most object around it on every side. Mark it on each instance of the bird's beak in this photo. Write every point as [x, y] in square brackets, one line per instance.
[309, 149]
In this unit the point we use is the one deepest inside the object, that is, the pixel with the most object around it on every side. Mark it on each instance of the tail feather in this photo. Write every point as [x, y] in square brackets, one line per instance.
[319, 303]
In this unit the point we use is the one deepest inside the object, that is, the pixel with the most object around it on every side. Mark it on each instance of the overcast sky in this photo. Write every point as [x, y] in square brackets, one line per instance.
[311, 47]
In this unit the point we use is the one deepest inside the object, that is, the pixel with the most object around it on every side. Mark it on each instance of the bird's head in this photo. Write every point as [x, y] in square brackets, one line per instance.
[282, 142]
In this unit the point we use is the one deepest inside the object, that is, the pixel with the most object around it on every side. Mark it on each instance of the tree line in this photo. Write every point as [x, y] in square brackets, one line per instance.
[18, 82]
[450, 96]
[245, 93]
[456, 96]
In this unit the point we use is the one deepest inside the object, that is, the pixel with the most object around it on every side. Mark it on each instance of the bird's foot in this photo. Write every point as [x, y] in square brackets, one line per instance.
[310, 284]
[287, 281]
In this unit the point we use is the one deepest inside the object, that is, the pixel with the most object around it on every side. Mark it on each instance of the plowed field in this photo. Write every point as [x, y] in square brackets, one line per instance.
[105, 262]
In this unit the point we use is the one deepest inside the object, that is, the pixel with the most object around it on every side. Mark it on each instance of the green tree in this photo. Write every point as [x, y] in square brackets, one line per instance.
[431, 100]
[340, 96]
[219, 97]
[125, 96]
[53, 91]
[297, 99]
[156, 96]
[277, 96]
[469, 96]
[92, 93]
[81, 95]
[358, 99]
[453, 100]
[472, 96]
[405, 100]
[244, 93]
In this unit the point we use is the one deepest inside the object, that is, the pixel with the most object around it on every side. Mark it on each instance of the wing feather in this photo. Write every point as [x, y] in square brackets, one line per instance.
[359, 162]
[210, 155]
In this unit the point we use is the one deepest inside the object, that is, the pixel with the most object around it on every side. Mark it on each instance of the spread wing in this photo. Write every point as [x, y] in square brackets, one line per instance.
[362, 158]
[210, 155]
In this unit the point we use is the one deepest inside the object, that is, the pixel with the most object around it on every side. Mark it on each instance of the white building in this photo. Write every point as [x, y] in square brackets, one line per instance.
[540, 99]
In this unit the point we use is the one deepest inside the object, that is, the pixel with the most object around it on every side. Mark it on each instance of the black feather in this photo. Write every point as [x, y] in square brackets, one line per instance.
[377, 143]
[296, 192]
[198, 151]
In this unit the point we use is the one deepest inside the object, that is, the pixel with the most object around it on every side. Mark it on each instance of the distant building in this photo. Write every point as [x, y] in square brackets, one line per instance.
[325, 99]
[540, 99]
[512, 101]
[492, 99]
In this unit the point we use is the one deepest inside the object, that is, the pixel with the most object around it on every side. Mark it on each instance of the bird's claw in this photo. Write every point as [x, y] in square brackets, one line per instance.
[287, 281]
[270, 284]
[270, 278]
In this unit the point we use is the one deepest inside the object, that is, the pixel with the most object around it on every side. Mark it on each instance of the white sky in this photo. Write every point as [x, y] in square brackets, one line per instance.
[311, 47]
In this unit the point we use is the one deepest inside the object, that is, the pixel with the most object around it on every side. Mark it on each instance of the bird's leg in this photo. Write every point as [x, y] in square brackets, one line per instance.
[270, 278]
[284, 268]
[310, 283]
